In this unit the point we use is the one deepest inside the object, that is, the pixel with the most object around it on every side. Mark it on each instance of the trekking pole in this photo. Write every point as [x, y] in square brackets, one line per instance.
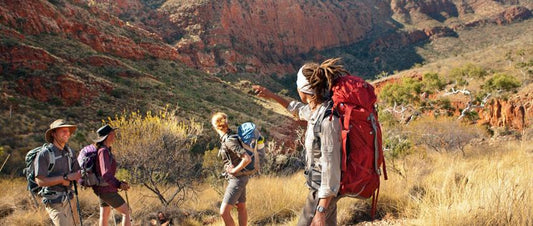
[77, 202]
[114, 220]
[34, 200]
[129, 207]
[70, 206]
[5, 161]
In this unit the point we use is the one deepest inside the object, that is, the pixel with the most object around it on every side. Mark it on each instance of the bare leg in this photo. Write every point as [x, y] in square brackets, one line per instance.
[104, 215]
[125, 211]
[243, 214]
[225, 212]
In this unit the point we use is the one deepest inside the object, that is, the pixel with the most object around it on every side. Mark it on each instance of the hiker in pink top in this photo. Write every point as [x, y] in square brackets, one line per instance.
[107, 168]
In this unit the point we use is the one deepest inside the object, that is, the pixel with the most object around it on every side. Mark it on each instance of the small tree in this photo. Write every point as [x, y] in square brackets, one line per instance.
[432, 83]
[444, 134]
[502, 82]
[155, 151]
[466, 72]
[405, 92]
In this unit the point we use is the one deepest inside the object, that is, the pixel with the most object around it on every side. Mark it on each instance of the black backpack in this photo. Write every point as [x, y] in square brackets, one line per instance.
[29, 169]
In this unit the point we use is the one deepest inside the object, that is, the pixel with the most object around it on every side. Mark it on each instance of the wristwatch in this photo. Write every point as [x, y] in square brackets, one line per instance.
[321, 209]
[65, 177]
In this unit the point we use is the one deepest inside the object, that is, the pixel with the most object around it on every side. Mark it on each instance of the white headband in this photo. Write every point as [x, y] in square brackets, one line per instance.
[302, 83]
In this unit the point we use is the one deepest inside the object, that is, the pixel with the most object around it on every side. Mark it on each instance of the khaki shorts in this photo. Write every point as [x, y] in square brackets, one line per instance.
[308, 212]
[112, 199]
[236, 190]
[61, 213]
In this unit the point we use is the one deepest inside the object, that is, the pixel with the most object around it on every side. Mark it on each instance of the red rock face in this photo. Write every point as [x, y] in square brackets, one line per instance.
[33, 87]
[516, 113]
[515, 13]
[26, 57]
[69, 88]
[72, 89]
[269, 31]
[92, 27]
[232, 36]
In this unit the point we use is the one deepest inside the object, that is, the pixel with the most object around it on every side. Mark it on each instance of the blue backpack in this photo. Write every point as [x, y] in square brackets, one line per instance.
[251, 140]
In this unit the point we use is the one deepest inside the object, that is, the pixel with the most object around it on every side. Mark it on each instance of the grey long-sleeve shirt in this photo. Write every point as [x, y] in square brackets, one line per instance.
[325, 155]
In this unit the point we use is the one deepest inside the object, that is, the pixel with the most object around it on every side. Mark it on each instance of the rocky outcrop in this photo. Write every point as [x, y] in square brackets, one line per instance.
[99, 30]
[277, 33]
[516, 112]
[402, 39]
[418, 11]
[507, 16]
[28, 57]
[66, 88]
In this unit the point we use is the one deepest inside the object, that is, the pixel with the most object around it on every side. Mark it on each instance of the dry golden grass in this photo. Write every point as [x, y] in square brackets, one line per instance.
[489, 185]
[270, 200]
[17, 207]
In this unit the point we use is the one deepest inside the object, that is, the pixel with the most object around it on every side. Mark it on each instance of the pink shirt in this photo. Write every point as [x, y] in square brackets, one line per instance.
[108, 168]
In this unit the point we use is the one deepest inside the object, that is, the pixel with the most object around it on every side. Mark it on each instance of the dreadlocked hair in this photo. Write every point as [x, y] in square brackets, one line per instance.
[322, 77]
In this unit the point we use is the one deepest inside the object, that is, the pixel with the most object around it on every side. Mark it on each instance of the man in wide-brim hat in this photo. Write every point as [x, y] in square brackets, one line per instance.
[55, 169]
[60, 123]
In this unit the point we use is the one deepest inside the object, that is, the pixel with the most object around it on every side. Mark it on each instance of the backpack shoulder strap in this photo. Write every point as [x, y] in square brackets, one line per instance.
[69, 157]
[51, 156]
[328, 112]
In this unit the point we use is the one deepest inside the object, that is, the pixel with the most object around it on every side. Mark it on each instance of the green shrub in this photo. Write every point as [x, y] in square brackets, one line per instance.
[469, 70]
[56, 101]
[404, 92]
[396, 146]
[501, 81]
[432, 82]
[445, 103]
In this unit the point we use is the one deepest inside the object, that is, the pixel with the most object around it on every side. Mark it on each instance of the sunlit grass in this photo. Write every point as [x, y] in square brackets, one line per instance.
[489, 185]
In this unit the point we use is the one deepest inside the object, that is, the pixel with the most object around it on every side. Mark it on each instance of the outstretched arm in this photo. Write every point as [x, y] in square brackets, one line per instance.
[265, 93]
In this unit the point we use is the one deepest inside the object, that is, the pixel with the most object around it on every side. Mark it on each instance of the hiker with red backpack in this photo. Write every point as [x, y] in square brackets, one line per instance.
[107, 191]
[342, 141]
[55, 170]
[236, 159]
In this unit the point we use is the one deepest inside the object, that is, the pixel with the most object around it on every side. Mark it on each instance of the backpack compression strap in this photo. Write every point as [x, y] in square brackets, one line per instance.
[330, 111]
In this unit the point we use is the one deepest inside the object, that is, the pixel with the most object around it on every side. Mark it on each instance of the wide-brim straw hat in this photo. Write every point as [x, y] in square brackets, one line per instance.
[60, 123]
[103, 132]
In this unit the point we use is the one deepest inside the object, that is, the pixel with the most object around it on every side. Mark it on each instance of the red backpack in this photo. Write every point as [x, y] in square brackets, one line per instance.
[362, 153]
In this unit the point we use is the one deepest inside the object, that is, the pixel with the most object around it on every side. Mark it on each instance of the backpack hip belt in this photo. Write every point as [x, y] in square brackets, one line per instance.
[50, 197]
